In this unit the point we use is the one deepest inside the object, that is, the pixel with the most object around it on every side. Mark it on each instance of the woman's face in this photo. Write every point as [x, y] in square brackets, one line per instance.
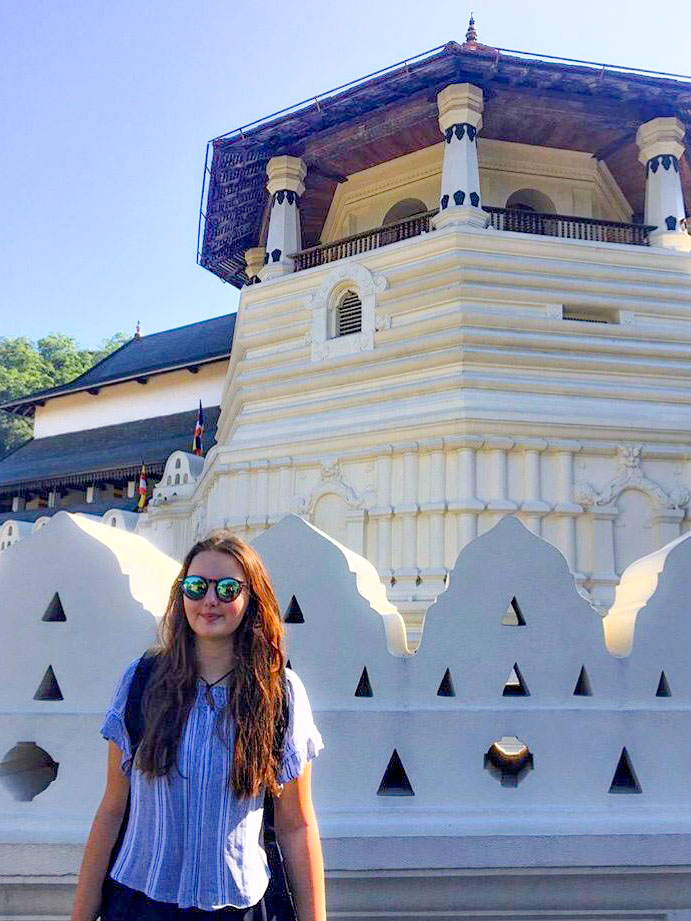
[210, 618]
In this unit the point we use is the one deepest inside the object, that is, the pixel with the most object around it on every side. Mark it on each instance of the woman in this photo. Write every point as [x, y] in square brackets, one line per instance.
[207, 753]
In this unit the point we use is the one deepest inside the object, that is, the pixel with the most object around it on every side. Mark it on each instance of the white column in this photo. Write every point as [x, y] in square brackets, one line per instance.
[407, 575]
[240, 503]
[259, 495]
[254, 260]
[285, 186]
[565, 508]
[659, 149]
[434, 576]
[498, 481]
[602, 580]
[466, 506]
[667, 524]
[532, 508]
[460, 119]
[382, 513]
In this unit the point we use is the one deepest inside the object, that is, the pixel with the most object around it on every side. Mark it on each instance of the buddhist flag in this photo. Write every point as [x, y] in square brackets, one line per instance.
[142, 490]
[197, 442]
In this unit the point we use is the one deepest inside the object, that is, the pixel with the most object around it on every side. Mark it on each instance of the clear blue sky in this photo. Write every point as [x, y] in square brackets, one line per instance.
[106, 107]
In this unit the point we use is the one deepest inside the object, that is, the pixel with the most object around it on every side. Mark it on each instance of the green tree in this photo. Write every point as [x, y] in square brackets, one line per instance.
[26, 367]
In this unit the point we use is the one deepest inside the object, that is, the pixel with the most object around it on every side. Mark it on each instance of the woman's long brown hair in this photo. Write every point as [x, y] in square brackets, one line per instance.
[255, 703]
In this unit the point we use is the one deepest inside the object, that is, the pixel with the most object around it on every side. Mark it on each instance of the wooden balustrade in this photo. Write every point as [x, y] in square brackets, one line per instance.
[566, 226]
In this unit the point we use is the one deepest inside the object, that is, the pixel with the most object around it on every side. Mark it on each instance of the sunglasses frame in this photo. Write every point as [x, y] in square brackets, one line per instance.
[215, 582]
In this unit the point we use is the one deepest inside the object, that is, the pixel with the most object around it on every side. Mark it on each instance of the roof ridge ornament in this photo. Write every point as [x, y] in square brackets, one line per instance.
[138, 331]
[471, 34]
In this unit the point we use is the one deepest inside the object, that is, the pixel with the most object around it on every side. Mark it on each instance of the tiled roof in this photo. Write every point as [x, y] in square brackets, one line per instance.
[182, 347]
[117, 450]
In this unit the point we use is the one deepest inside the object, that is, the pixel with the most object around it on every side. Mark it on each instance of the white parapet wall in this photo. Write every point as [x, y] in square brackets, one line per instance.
[512, 766]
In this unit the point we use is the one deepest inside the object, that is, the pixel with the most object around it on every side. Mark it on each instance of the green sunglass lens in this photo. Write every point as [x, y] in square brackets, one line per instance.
[194, 587]
[228, 589]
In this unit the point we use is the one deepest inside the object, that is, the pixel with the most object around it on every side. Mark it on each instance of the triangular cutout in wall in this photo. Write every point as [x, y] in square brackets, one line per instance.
[583, 687]
[625, 780]
[294, 613]
[364, 688]
[514, 616]
[663, 688]
[49, 689]
[55, 613]
[395, 780]
[288, 665]
[515, 685]
[446, 688]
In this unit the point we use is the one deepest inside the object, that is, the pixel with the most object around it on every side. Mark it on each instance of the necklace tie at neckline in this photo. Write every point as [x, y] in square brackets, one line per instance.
[212, 684]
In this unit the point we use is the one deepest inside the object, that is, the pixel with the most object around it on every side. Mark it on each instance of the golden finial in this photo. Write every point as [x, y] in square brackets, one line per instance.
[471, 34]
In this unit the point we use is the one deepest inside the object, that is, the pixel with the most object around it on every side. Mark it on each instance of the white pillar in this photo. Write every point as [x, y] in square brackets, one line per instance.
[407, 511]
[259, 493]
[565, 509]
[466, 506]
[285, 185]
[240, 503]
[460, 119]
[498, 480]
[382, 513]
[659, 148]
[434, 576]
[602, 579]
[254, 260]
[532, 508]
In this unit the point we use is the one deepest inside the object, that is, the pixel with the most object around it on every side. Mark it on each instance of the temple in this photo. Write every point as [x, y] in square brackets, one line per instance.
[453, 416]
[465, 293]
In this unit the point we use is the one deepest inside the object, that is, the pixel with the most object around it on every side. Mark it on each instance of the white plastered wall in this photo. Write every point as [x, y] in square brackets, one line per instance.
[501, 848]
[161, 395]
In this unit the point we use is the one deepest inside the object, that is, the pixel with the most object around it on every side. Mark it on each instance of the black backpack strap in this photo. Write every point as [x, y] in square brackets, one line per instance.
[279, 740]
[134, 719]
[134, 724]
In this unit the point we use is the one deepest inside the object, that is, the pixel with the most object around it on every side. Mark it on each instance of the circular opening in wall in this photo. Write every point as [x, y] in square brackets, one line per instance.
[27, 770]
[508, 760]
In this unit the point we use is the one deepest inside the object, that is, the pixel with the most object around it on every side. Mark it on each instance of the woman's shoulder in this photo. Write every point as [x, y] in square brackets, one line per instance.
[125, 682]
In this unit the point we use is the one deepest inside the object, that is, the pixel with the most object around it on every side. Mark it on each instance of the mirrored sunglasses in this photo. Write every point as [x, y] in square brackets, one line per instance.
[196, 587]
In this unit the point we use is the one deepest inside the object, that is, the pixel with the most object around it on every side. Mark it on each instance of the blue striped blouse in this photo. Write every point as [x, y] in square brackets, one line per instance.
[190, 841]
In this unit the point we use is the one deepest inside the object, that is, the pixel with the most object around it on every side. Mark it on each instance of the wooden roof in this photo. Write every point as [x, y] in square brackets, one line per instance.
[531, 100]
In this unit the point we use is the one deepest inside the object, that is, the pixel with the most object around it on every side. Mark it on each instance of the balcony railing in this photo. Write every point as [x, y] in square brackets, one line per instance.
[568, 226]
[363, 242]
[549, 225]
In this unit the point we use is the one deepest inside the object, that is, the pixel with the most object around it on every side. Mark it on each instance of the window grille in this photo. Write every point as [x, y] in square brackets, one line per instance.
[349, 314]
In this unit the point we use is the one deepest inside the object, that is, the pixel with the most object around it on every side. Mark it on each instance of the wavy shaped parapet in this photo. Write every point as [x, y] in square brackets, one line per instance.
[339, 622]
[637, 586]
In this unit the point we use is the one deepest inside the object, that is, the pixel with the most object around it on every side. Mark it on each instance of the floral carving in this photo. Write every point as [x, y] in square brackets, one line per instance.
[630, 475]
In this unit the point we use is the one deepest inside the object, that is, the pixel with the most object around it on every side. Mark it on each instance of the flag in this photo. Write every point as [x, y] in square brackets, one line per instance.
[142, 490]
[197, 443]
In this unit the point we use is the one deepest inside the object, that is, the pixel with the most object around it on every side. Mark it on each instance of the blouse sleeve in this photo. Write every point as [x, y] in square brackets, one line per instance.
[302, 741]
[113, 728]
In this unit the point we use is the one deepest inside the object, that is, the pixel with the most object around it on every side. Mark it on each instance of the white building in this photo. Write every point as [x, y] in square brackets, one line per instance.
[475, 300]
[462, 351]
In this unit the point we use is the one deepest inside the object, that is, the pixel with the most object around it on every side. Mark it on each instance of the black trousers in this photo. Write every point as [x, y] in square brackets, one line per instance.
[125, 904]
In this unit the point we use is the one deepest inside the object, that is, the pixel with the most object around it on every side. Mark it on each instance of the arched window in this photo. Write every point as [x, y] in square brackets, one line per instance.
[407, 207]
[177, 463]
[348, 314]
[531, 200]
